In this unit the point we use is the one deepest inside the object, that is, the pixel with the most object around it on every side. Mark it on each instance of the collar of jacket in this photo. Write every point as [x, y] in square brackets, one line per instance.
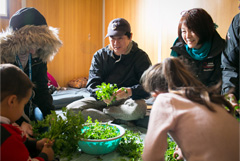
[4, 120]
[43, 39]
[217, 46]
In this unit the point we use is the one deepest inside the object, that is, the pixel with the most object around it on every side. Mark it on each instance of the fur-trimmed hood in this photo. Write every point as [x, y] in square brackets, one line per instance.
[43, 39]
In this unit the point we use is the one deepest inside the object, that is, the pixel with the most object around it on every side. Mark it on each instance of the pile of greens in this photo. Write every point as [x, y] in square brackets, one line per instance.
[64, 130]
[107, 91]
[67, 131]
[131, 146]
[99, 131]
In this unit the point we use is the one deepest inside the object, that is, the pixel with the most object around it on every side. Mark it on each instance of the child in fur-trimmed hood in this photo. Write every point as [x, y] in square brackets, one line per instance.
[30, 43]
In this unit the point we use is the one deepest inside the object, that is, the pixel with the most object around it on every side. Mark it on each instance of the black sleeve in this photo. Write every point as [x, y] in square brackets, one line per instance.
[142, 63]
[95, 74]
[31, 146]
[217, 74]
[44, 156]
[230, 59]
[43, 98]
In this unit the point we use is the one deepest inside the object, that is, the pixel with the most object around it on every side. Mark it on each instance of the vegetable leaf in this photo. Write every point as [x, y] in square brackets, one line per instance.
[64, 130]
[107, 91]
[99, 131]
[131, 145]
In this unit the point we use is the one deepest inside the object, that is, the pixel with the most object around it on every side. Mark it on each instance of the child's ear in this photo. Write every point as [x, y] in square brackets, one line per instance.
[12, 100]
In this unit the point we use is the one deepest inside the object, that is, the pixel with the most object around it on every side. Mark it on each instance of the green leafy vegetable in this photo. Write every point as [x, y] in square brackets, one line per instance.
[131, 146]
[107, 91]
[64, 130]
[170, 150]
[237, 109]
[99, 131]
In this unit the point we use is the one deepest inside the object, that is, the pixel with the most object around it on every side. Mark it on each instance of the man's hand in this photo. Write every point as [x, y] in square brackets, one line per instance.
[123, 93]
[108, 101]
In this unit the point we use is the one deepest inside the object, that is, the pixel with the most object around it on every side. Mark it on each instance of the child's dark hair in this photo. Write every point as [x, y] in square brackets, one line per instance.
[14, 82]
[172, 76]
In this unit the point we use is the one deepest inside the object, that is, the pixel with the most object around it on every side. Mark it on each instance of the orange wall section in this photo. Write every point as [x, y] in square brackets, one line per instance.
[80, 29]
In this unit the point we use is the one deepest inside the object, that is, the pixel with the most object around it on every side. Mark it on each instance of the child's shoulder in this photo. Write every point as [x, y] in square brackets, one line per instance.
[173, 98]
[8, 130]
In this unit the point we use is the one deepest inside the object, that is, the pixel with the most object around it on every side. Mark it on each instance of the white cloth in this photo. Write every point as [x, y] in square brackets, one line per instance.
[126, 109]
[4, 120]
[201, 134]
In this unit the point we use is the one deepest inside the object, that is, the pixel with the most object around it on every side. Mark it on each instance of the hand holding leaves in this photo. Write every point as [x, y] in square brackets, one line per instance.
[108, 92]
[123, 93]
[65, 130]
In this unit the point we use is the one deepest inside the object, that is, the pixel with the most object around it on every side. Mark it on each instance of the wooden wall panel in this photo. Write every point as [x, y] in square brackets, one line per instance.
[14, 5]
[80, 24]
[142, 15]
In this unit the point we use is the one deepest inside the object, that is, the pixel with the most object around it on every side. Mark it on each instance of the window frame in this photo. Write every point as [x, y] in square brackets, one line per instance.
[6, 14]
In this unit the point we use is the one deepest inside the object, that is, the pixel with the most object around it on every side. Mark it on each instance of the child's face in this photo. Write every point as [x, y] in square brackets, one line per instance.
[19, 106]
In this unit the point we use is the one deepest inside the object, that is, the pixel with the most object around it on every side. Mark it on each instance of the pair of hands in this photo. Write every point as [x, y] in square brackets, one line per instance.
[120, 94]
[26, 128]
[44, 145]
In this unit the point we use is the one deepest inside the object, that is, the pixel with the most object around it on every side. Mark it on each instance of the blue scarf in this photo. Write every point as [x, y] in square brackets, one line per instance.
[199, 54]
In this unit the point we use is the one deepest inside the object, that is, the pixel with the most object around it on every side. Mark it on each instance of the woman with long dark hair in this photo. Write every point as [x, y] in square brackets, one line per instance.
[194, 115]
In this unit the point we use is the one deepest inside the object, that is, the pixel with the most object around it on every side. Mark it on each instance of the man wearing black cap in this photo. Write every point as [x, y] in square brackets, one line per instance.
[29, 44]
[121, 63]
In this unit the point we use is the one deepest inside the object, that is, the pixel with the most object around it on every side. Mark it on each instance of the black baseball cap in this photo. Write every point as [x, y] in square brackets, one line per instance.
[118, 27]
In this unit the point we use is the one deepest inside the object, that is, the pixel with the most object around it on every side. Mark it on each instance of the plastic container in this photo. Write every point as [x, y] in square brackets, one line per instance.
[97, 147]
